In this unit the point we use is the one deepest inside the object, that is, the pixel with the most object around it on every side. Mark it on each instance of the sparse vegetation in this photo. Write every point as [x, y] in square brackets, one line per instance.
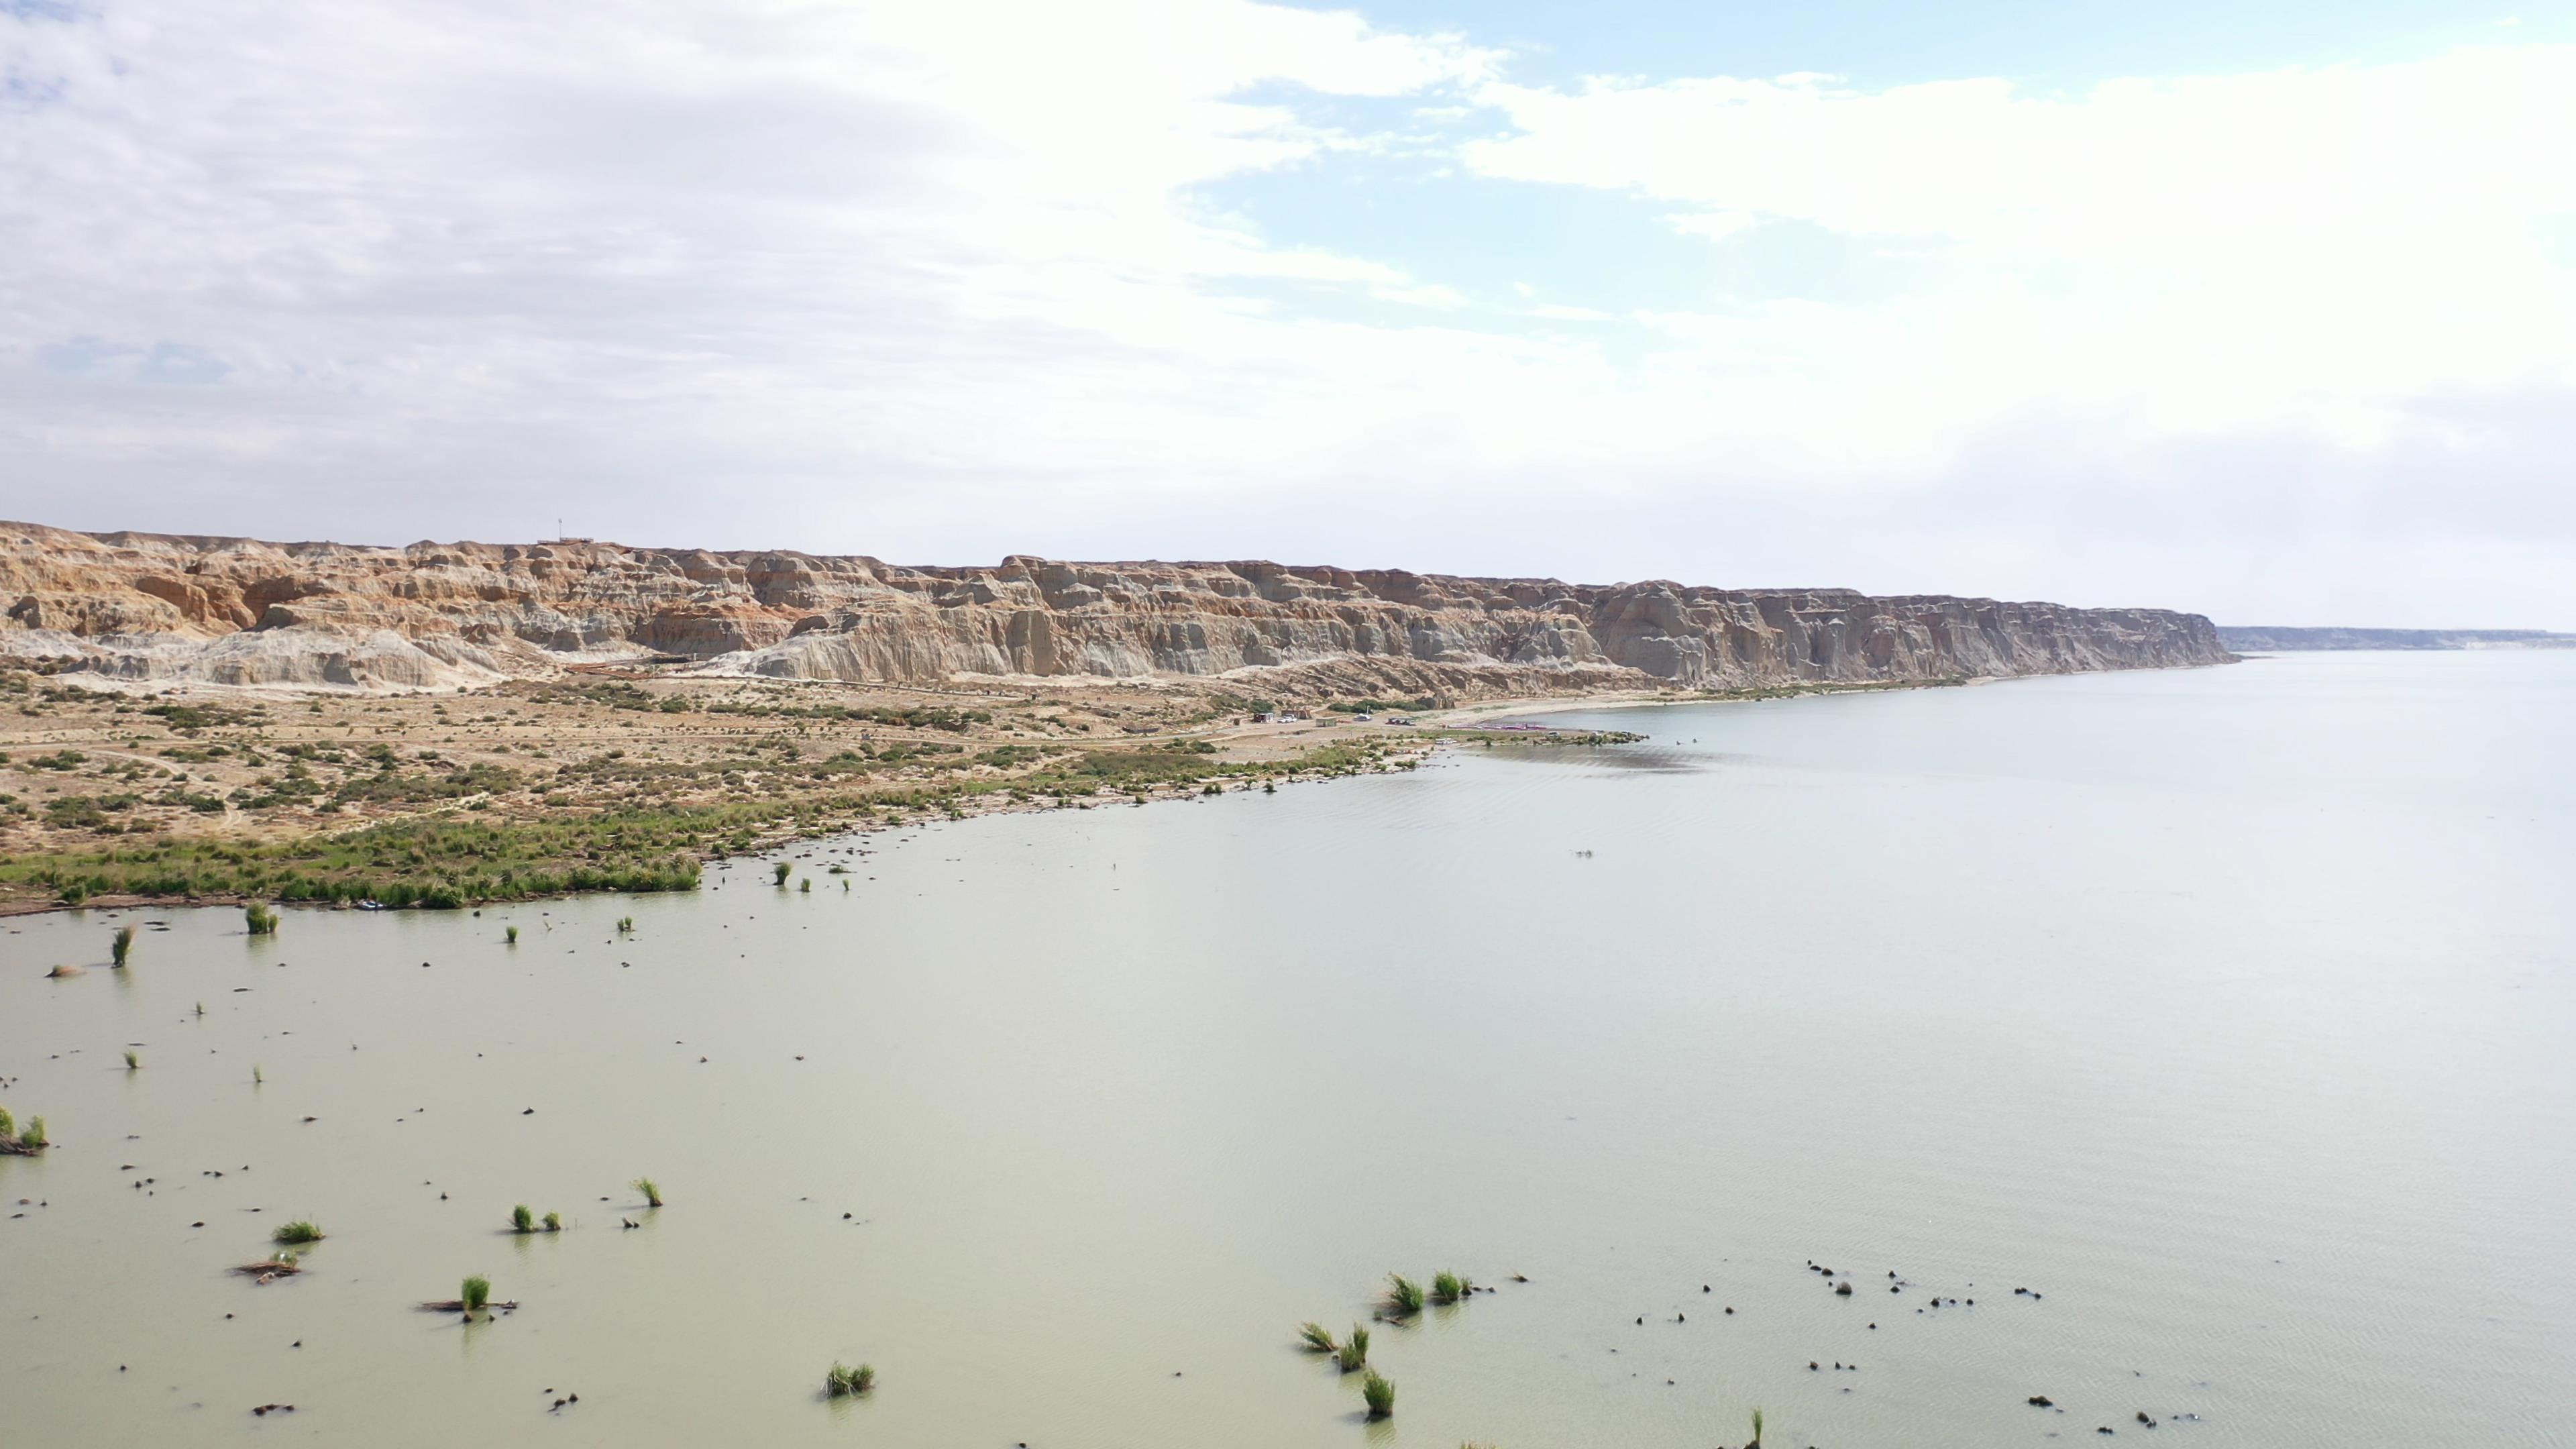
[297, 1233]
[1317, 1338]
[840, 1382]
[34, 1137]
[1757, 1429]
[652, 1192]
[1379, 1392]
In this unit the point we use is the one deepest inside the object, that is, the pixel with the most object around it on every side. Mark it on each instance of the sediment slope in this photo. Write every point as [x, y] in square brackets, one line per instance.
[240, 611]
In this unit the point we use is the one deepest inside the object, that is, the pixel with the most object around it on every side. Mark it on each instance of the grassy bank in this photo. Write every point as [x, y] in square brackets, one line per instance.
[536, 846]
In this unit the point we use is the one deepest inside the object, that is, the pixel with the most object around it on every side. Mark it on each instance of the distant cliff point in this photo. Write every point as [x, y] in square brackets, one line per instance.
[2260, 639]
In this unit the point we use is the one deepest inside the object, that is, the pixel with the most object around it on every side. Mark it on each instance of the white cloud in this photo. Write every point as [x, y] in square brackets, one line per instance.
[940, 282]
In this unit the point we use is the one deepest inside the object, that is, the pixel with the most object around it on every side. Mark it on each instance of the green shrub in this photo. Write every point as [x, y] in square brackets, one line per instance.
[298, 1231]
[1403, 1295]
[554, 1222]
[780, 872]
[259, 919]
[1354, 1351]
[477, 1294]
[510, 934]
[1380, 1394]
[34, 1136]
[121, 945]
[652, 1192]
[1450, 1287]
[522, 1220]
[1317, 1338]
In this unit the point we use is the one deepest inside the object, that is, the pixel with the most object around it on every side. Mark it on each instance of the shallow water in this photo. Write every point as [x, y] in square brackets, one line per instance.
[2227, 1009]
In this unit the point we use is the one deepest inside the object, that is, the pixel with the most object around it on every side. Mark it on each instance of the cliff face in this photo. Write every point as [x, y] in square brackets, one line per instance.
[229, 610]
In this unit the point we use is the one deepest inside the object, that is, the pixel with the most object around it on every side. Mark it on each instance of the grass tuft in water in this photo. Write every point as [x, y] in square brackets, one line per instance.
[121, 945]
[298, 1231]
[34, 1136]
[1379, 1391]
[1403, 1296]
[476, 1294]
[255, 1077]
[1317, 1338]
[842, 1382]
[1757, 1429]
[1450, 1287]
[780, 872]
[652, 1192]
[8, 1124]
[1354, 1352]
[625, 924]
[554, 1222]
[259, 919]
[510, 935]
[132, 1061]
[522, 1220]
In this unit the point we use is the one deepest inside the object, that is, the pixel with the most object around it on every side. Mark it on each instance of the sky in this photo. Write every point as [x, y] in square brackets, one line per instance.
[2267, 316]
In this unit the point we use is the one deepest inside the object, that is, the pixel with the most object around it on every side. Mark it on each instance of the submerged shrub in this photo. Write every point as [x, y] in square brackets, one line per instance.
[510, 934]
[1403, 1295]
[780, 872]
[259, 919]
[1380, 1394]
[522, 1220]
[477, 1293]
[554, 1222]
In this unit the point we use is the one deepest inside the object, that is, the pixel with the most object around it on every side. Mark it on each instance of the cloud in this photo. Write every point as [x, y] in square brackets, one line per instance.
[941, 282]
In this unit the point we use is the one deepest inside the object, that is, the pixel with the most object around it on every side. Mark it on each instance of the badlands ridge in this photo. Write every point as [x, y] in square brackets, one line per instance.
[186, 609]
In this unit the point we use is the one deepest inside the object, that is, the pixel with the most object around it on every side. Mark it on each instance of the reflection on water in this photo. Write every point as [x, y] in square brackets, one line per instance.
[2224, 1011]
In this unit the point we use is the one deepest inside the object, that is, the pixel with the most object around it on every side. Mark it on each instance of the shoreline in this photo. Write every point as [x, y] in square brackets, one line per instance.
[1177, 759]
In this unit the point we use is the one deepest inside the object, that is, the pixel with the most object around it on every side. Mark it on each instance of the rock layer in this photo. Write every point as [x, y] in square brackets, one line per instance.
[240, 611]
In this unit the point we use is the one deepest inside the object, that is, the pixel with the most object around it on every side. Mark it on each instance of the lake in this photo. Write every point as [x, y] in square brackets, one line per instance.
[2228, 1011]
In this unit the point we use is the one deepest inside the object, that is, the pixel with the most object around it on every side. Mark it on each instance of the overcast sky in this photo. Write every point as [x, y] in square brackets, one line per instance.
[2273, 319]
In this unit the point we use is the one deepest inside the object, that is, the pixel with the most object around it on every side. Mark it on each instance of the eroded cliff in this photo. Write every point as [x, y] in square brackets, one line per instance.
[240, 611]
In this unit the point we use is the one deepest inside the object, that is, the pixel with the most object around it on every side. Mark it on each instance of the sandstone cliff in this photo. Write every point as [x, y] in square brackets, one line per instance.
[239, 611]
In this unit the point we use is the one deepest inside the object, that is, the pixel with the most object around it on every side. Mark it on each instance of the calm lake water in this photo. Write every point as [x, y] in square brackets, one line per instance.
[2229, 1010]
